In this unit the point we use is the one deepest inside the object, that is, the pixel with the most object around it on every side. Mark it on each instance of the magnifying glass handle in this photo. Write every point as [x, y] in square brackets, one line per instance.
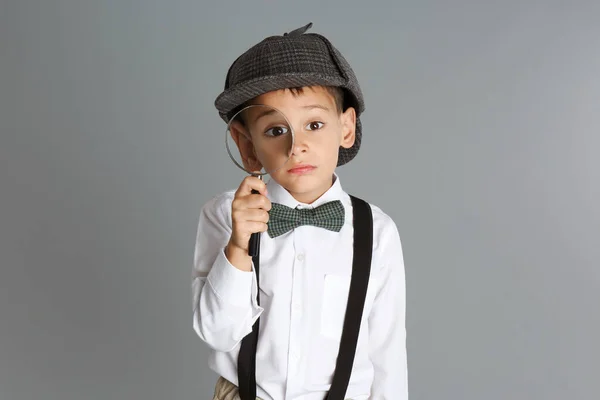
[254, 244]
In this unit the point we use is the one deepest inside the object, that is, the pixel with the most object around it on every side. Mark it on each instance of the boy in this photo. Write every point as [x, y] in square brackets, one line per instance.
[305, 273]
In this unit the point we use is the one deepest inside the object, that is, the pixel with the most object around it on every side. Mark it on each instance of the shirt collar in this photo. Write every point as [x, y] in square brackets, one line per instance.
[278, 194]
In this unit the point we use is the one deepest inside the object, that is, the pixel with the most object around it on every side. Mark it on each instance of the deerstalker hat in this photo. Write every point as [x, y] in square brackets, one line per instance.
[294, 59]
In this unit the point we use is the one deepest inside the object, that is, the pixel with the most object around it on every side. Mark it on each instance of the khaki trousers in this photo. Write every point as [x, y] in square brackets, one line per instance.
[225, 390]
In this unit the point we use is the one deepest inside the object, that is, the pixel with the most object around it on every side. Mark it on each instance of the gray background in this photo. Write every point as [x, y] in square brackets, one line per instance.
[481, 137]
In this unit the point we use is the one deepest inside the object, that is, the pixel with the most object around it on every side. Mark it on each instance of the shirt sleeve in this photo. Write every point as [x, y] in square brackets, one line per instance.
[224, 297]
[387, 327]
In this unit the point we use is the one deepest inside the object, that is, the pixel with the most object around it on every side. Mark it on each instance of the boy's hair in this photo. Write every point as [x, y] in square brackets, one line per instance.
[293, 61]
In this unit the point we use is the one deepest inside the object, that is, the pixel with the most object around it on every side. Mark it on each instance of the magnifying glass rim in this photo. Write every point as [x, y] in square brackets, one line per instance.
[227, 132]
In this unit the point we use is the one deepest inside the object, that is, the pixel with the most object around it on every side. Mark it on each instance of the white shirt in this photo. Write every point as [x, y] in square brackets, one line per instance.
[304, 283]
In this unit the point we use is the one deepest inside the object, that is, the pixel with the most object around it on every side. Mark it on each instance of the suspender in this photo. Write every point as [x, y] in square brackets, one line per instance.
[247, 357]
[361, 269]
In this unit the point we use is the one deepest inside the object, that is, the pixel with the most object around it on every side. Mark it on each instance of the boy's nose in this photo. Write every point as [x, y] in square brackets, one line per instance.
[300, 145]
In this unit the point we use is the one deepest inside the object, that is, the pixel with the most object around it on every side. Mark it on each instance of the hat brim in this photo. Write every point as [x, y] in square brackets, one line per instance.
[231, 98]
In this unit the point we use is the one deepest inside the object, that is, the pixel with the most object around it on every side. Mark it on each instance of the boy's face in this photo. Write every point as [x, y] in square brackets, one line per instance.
[319, 131]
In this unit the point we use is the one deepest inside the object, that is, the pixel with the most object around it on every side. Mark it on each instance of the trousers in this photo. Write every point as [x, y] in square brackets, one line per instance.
[225, 390]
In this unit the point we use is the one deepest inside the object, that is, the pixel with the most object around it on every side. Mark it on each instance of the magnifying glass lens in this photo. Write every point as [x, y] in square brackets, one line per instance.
[259, 139]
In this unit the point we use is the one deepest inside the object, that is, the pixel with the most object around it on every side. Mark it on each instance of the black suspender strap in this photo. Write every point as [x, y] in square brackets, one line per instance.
[361, 270]
[247, 356]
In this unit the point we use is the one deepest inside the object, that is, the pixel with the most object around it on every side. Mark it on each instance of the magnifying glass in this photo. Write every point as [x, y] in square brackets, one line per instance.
[259, 140]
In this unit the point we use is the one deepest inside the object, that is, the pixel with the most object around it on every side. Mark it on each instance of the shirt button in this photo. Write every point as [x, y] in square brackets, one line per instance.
[294, 356]
[300, 257]
[297, 307]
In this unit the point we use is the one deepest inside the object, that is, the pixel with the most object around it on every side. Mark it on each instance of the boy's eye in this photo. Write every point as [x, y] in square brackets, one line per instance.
[277, 131]
[315, 125]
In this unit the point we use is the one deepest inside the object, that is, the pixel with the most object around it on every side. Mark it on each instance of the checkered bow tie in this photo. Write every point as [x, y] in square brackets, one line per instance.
[283, 219]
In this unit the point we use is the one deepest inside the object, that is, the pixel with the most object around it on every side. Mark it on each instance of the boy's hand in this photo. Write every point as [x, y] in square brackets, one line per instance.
[249, 214]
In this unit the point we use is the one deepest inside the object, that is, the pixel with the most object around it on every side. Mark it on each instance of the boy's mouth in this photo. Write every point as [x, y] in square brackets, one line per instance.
[301, 169]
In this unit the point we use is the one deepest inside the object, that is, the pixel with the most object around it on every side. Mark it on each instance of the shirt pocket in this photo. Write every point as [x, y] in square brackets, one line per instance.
[333, 311]
[324, 348]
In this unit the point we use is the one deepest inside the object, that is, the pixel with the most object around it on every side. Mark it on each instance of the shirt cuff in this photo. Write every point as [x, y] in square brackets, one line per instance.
[229, 283]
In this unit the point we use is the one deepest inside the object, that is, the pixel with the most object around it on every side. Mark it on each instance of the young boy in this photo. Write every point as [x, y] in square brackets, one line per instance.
[302, 288]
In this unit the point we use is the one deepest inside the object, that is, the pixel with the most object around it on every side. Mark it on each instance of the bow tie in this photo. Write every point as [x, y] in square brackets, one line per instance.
[283, 219]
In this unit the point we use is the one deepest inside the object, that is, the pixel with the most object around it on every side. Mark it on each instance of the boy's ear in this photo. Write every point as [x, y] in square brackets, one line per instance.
[348, 120]
[243, 141]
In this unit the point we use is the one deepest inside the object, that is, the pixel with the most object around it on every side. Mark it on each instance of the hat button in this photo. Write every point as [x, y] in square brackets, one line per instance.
[299, 31]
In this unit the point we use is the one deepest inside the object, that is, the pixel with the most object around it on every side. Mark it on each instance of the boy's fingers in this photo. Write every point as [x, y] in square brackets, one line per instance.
[253, 215]
[257, 215]
[247, 228]
[252, 201]
[252, 183]
[258, 201]
[255, 227]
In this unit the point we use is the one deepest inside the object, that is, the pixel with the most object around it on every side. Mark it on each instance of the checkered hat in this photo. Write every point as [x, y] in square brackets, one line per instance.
[294, 59]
